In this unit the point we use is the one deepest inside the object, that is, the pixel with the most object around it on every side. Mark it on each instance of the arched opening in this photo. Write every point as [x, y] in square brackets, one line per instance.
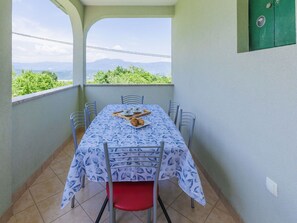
[129, 51]
[41, 47]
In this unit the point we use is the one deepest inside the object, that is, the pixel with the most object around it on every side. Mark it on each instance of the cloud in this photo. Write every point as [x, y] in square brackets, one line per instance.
[117, 47]
[27, 49]
[34, 50]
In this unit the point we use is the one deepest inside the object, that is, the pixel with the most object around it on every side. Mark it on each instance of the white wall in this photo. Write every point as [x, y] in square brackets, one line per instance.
[39, 127]
[5, 105]
[246, 106]
[107, 94]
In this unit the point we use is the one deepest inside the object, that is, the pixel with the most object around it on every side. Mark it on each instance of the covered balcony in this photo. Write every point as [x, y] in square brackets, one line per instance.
[245, 102]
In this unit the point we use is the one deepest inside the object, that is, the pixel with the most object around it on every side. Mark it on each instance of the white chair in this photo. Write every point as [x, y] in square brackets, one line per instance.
[132, 99]
[90, 111]
[77, 121]
[133, 196]
[173, 111]
[186, 127]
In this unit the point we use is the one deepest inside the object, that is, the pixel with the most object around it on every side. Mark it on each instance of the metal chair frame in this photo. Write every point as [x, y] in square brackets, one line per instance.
[132, 99]
[77, 120]
[90, 112]
[173, 110]
[187, 121]
[133, 157]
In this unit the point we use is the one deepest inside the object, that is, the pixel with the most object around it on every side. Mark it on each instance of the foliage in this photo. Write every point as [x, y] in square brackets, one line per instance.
[131, 75]
[29, 82]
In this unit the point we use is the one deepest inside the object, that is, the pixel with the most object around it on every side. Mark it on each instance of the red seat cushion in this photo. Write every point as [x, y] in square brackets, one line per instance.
[132, 196]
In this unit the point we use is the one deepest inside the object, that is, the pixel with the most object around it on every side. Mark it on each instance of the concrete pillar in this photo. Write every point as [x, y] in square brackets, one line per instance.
[75, 10]
[5, 104]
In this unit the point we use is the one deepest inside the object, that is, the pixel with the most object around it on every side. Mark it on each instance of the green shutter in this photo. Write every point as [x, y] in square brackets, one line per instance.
[285, 33]
[271, 23]
[261, 37]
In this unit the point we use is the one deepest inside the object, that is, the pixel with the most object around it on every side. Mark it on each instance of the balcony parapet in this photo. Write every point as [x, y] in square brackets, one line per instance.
[29, 97]
[129, 85]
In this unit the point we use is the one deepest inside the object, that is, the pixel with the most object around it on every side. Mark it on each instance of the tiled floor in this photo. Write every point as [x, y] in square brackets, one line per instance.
[41, 203]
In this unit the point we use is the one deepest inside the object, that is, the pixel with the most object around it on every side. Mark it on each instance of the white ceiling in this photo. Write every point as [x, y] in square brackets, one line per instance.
[129, 2]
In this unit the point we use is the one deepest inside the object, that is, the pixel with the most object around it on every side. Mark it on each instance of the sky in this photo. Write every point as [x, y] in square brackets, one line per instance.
[43, 19]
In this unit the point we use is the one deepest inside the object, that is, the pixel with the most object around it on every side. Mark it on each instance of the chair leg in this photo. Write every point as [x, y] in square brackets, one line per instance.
[192, 203]
[149, 215]
[83, 181]
[164, 209]
[114, 216]
[72, 201]
[102, 210]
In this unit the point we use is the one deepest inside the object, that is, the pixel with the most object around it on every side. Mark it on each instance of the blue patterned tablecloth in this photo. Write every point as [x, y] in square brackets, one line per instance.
[89, 157]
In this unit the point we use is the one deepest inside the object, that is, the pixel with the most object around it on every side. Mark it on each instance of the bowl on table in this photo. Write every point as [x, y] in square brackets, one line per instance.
[136, 110]
[127, 113]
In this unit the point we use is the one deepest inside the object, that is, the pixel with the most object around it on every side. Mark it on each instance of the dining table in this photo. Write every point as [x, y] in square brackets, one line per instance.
[89, 158]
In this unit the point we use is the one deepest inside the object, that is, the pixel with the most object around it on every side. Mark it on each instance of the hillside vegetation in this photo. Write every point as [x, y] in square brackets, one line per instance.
[30, 82]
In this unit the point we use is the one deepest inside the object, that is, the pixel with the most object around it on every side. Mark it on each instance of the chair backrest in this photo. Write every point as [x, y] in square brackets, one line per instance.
[91, 112]
[173, 110]
[148, 157]
[132, 99]
[187, 125]
[77, 120]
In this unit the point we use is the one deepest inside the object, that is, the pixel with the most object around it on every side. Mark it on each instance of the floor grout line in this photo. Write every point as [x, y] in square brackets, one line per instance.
[35, 204]
[177, 210]
[211, 210]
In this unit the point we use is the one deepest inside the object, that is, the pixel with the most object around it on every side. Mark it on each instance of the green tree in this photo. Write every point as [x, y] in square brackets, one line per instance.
[131, 75]
[52, 74]
[29, 82]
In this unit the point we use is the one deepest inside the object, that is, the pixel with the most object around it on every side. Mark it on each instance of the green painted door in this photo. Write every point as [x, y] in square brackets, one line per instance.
[271, 23]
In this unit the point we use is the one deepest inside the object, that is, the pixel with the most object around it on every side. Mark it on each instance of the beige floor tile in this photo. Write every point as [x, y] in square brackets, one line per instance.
[174, 180]
[46, 175]
[142, 215]
[125, 217]
[63, 177]
[69, 149]
[23, 203]
[46, 189]
[93, 206]
[12, 220]
[79, 135]
[221, 206]
[175, 217]
[61, 167]
[218, 216]
[209, 193]
[198, 214]
[90, 190]
[168, 191]
[30, 215]
[61, 157]
[75, 215]
[50, 208]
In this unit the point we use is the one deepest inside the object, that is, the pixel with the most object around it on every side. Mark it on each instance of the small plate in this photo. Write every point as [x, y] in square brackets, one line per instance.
[138, 127]
[137, 112]
[127, 114]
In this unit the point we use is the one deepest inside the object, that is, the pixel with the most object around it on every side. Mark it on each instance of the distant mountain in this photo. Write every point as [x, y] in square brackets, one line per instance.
[64, 70]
